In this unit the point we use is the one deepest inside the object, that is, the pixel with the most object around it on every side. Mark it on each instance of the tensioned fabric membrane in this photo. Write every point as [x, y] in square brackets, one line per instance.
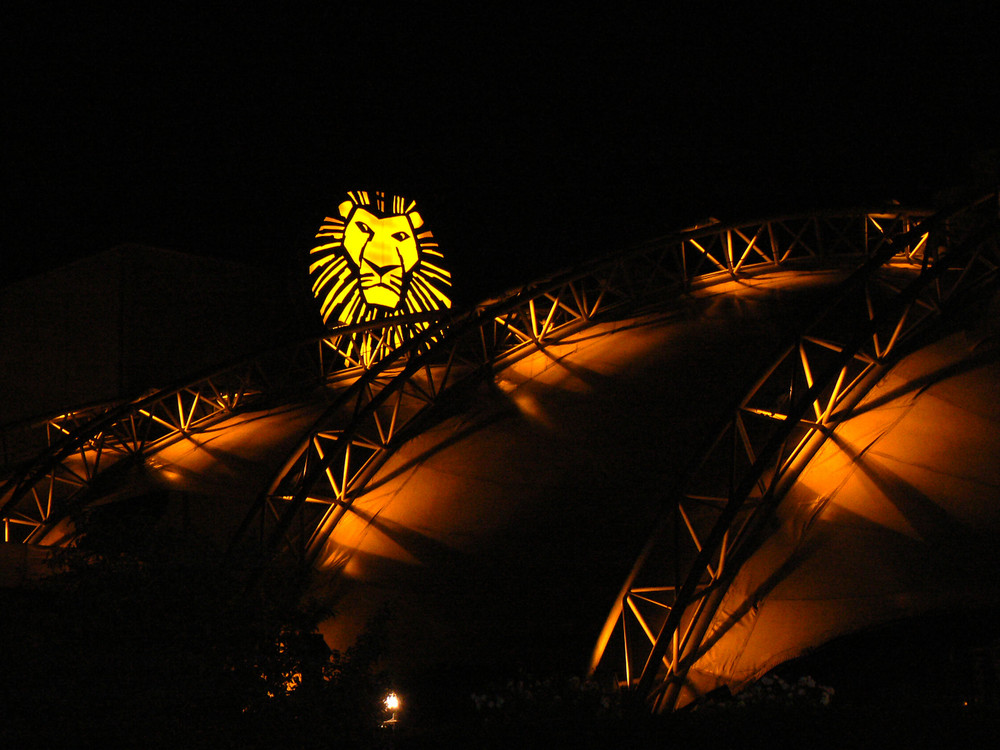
[896, 515]
[534, 502]
[502, 532]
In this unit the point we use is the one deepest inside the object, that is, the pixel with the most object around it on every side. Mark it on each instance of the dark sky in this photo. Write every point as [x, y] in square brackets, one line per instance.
[529, 139]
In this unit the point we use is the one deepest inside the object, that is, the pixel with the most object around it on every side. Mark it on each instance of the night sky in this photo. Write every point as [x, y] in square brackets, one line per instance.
[530, 138]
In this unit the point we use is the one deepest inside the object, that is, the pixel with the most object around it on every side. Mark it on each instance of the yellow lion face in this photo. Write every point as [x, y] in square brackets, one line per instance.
[382, 249]
[377, 260]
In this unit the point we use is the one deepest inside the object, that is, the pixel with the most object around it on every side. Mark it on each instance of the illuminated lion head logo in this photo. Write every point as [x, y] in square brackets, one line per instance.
[376, 263]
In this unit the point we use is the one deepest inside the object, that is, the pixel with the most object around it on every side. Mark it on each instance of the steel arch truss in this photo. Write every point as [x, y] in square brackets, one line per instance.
[383, 392]
[715, 520]
[393, 400]
[80, 450]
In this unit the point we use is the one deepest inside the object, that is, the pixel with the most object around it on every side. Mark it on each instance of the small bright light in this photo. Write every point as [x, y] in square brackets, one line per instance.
[392, 701]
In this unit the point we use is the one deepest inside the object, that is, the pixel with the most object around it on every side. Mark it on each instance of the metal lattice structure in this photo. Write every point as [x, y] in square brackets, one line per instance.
[372, 387]
[717, 516]
[393, 400]
[908, 268]
[83, 448]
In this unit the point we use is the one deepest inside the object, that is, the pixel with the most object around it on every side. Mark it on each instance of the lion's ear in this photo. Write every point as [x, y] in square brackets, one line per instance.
[416, 219]
[345, 208]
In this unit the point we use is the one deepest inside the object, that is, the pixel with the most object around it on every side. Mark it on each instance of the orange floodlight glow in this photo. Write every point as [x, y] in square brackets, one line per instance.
[376, 261]
[391, 703]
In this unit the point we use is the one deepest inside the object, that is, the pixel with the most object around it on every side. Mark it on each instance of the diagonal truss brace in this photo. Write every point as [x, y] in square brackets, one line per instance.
[793, 408]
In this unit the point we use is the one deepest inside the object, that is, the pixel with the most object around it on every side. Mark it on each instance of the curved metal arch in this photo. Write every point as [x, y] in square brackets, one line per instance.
[88, 443]
[712, 524]
[387, 405]
[84, 445]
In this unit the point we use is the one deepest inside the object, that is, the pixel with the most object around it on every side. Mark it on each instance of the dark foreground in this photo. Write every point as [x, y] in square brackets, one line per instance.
[156, 647]
[770, 727]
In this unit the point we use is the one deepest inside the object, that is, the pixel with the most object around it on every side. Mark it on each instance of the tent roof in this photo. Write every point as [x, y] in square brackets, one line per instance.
[506, 528]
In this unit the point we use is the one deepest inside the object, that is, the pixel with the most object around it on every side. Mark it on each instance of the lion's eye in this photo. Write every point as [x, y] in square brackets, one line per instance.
[400, 236]
[363, 227]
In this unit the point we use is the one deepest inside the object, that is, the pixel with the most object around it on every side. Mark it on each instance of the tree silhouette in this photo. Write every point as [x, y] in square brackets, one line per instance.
[146, 636]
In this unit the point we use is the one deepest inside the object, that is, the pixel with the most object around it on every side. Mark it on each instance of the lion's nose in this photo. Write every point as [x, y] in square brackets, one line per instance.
[380, 270]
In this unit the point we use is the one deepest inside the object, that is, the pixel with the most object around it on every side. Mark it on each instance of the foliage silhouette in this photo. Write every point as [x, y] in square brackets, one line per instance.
[149, 636]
